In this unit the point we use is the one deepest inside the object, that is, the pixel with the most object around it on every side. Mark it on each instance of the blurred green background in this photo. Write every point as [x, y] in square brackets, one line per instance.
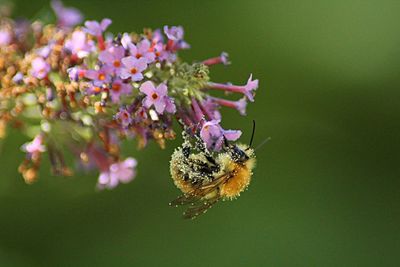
[326, 191]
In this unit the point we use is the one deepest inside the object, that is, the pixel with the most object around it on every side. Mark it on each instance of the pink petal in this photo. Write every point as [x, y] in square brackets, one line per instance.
[129, 62]
[106, 57]
[105, 23]
[232, 135]
[148, 102]
[141, 64]
[162, 89]
[132, 49]
[125, 74]
[137, 77]
[130, 162]
[147, 88]
[160, 106]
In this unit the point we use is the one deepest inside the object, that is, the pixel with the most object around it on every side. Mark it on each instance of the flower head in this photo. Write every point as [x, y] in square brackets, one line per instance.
[95, 28]
[119, 172]
[79, 45]
[118, 88]
[35, 146]
[133, 68]
[74, 73]
[112, 57]
[157, 37]
[40, 68]
[223, 58]
[247, 90]
[157, 97]
[123, 117]
[251, 86]
[18, 78]
[175, 36]
[240, 105]
[142, 50]
[67, 16]
[99, 77]
[213, 135]
[126, 40]
[5, 37]
[174, 33]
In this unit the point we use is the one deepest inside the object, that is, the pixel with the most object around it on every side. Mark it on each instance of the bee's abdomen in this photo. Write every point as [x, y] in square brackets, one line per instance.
[237, 183]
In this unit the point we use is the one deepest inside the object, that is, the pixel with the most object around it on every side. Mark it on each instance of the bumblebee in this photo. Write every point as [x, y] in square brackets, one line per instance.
[206, 177]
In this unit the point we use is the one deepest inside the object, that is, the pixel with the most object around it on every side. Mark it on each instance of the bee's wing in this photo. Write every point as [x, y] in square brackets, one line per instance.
[185, 199]
[199, 208]
[195, 198]
[197, 193]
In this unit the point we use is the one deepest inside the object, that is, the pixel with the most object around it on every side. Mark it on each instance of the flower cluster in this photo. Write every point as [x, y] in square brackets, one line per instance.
[75, 88]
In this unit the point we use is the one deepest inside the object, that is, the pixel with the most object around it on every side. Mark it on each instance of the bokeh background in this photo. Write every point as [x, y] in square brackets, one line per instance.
[326, 191]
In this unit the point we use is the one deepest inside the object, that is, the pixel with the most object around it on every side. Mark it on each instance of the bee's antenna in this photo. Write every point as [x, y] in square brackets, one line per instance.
[263, 143]
[252, 134]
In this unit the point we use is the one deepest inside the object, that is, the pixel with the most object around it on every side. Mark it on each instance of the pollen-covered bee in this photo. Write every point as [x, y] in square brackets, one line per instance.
[206, 177]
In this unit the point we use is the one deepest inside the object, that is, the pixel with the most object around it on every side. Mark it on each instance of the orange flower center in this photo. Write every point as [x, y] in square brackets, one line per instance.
[102, 77]
[133, 70]
[138, 55]
[117, 63]
[154, 96]
[116, 87]
[97, 90]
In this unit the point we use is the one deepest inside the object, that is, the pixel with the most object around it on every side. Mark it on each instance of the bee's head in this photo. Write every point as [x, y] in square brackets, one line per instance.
[240, 153]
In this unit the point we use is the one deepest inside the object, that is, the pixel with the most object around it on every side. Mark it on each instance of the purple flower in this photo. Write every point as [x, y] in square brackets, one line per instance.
[79, 45]
[75, 73]
[213, 135]
[210, 108]
[198, 114]
[94, 89]
[119, 88]
[112, 57]
[247, 89]
[133, 68]
[175, 33]
[162, 54]
[157, 97]
[45, 51]
[169, 105]
[223, 58]
[101, 76]
[141, 114]
[175, 36]
[123, 117]
[5, 38]
[142, 50]
[126, 40]
[95, 28]
[240, 105]
[157, 37]
[67, 16]
[18, 78]
[40, 68]
[35, 146]
[120, 172]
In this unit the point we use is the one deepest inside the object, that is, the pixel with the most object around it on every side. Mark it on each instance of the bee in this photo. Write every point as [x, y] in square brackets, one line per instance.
[206, 177]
